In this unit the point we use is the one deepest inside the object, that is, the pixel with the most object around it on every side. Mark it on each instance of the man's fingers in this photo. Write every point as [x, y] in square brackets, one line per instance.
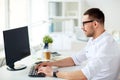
[44, 64]
[37, 66]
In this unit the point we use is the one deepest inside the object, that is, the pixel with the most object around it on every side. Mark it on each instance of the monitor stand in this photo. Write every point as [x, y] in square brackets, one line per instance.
[16, 67]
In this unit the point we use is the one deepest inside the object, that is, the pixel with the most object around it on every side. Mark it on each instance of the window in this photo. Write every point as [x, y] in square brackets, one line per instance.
[18, 13]
[38, 20]
[2, 21]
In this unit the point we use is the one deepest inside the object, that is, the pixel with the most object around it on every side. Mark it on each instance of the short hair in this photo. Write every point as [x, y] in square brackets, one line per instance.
[95, 14]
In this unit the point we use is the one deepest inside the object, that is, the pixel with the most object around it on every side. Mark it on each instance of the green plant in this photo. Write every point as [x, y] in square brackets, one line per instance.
[47, 39]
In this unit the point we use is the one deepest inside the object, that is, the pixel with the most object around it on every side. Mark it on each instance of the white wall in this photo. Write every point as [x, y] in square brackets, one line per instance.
[110, 9]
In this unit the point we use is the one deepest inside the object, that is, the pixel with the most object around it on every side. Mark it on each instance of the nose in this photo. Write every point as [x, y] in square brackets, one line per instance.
[82, 27]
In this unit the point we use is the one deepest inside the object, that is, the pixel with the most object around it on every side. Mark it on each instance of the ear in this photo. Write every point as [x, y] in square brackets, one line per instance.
[95, 24]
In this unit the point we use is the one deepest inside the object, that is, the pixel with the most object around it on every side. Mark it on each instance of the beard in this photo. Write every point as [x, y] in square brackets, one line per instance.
[90, 34]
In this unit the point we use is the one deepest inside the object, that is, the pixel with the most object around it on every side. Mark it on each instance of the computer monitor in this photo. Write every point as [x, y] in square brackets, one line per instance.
[16, 45]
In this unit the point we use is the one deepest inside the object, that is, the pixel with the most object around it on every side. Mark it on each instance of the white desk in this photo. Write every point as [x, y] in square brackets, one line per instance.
[23, 74]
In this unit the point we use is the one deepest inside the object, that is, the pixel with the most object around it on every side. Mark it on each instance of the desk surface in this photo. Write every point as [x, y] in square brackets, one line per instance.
[23, 74]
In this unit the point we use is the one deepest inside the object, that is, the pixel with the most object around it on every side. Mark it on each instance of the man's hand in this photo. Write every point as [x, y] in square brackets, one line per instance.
[47, 70]
[43, 64]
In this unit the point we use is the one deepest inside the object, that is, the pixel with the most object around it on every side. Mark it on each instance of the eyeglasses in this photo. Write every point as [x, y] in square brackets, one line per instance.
[87, 22]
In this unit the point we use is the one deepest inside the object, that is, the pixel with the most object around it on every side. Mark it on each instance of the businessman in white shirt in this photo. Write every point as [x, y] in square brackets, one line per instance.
[101, 52]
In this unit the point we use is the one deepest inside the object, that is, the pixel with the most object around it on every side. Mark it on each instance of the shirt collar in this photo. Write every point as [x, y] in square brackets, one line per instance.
[99, 38]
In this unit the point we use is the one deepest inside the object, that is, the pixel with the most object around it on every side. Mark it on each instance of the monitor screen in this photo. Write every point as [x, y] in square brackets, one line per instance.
[16, 44]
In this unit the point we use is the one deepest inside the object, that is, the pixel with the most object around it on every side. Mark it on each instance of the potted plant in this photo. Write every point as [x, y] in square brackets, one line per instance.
[47, 40]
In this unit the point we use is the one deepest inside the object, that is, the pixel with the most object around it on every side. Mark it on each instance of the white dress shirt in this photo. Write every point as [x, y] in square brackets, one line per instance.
[103, 56]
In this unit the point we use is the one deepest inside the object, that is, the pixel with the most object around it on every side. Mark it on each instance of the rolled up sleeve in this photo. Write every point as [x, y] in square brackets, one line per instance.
[79, 57]
[92, 68]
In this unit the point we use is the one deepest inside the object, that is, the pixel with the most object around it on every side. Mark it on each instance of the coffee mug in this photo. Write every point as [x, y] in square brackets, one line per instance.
[47, 55]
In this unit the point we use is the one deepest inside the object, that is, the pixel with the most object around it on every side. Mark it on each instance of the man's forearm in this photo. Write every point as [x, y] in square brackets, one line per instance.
[64, 62]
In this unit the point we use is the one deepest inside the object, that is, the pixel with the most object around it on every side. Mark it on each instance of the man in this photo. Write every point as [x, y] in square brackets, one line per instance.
[101, 52]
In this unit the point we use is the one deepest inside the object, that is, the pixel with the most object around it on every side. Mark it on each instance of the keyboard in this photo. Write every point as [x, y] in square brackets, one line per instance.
[33, 72]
